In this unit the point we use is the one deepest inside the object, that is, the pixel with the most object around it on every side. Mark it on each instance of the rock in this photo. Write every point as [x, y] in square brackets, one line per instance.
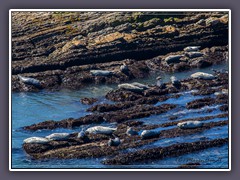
[190, 124]
[36, 140]
[212, 21]
[88, 101]
[202, 75]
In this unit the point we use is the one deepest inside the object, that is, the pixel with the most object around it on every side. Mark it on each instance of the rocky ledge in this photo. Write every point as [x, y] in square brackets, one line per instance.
[64, 50]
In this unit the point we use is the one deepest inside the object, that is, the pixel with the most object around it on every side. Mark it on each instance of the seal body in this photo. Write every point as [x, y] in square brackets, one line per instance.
[194, 54]
[146, 134]
[202, 75]
[81, 134]
[101, 73]
[101, 130]
[124, 68]
[36, 140]
[130, 87]
[29, 81]
[58, 136]
[131, 132]
[140, 85]
[191, 48]
[190, 124]
[114, 142]
[173, 59]
[176, 83]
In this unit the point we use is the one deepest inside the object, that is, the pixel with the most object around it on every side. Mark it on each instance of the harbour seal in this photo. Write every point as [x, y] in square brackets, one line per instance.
[100, 130]
[176, 83]
[124, 68]
[191, 48]
[173, 59]
[202, 75]
[58, 136]
[146, 134]
[36, 140]
[140, 85]
[194, 54]
[101, 73]
[81, 134]
[190, 124]
[159, 83]
[131, 132]
[130, 87]
[114, 142]
[29, 81]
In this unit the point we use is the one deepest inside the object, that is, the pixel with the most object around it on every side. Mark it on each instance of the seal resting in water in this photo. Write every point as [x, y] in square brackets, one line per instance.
[202, 75]
[101, 73]
[191, 48]
[36, 140]
[190, 124]
[101, 130]
[114, 142]
[131, 132]
[146, 134]
[58, 136]
[29, 81]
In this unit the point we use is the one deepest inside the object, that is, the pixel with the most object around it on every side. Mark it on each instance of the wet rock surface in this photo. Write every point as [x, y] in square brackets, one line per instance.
[60, 49]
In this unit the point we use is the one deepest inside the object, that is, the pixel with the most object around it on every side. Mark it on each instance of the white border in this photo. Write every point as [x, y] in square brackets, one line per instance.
[151, 10]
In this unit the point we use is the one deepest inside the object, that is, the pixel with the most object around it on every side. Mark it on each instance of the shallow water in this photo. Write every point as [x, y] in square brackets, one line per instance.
[30, 108]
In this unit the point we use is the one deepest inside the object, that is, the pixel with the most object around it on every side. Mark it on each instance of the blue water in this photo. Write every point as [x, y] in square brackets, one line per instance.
[30, 108]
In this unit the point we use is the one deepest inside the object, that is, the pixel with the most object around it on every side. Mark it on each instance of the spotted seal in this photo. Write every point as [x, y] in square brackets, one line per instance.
[190, 124]
[58, 136]
[29, 81]
[146, 134]
[114, 142]
[130, 87]
[36, 140]
[173, 59]
[202, 75]
[131, 132]
[101, 72]
[101, 130]
[191, 48]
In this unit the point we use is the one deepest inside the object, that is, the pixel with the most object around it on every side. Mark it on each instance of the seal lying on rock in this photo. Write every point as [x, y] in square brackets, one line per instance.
[30, 81]
[100, 130]
[146, 134]
[130, 87]
[140, 85]
[202, 75]
[159, 83]
[194, 54]
[176, 83]
[131, 132]
[124, 68]
[101, 73]
[36, 140]
[81, 134]
[191, 48]
[190, 124]
[173, 59]
[114, 142]
[58, 136]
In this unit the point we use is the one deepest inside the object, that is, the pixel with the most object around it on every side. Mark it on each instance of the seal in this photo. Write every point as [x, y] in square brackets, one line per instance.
[176, 83]
[140, 85]
[192, 48]
[202, 75]
[114, 142]
[190, 124]
[130, 87]
[81, 134]
[58, 136]
[194, 54]
[36, 140]
[101, 73]
[29, 81]
[159, 83]
[173, 59]
[146, 134]
[101, 130]
[124, 68]
[131, 132]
